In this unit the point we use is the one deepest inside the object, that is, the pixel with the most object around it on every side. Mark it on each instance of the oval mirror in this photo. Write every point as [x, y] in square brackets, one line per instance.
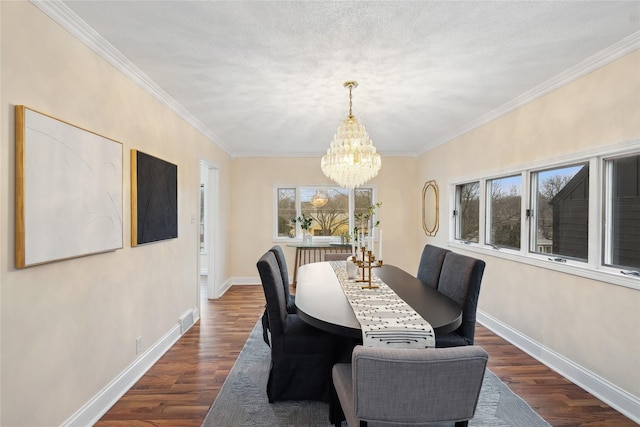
[430, 208]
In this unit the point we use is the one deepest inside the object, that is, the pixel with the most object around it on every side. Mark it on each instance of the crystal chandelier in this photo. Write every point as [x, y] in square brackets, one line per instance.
[351, 159]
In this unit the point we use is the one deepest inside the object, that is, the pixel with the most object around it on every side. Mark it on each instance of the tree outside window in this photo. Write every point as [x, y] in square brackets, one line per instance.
[504, 211]
[468, 212]
[328, 208]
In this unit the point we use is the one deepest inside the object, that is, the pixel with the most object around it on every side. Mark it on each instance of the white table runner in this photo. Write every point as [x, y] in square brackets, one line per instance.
[385, 319]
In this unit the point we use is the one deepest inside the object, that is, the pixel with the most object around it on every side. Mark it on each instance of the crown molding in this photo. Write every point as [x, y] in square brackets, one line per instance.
[315, 155]
[65, 17]
[602, 58]
[62, 15]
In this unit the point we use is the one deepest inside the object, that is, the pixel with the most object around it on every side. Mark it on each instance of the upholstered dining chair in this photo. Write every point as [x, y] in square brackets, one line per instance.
[291, 299]
[396, 386]
[284, 272]
[301, 355]
[431, 265]
[460, 280]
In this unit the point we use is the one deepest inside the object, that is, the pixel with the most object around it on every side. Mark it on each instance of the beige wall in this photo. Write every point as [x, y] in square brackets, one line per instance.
[254, 180]
[592, 323]
[69, 328]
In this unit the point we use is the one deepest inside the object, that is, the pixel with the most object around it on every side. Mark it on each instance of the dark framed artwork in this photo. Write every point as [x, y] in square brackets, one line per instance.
[68, 190]
[154, 199]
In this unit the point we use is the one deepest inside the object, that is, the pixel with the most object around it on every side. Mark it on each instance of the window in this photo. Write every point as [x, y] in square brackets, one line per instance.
[504, 205]
[560, 212]
[581, 216]
[622, 212]
[468, 212]
[286, 203]
[331, 209]
[328, 208]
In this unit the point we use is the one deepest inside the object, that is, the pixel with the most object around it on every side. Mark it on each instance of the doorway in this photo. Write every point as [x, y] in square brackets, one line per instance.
[209, 217]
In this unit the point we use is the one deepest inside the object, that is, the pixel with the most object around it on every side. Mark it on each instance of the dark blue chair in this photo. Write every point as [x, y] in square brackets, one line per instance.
[460, 280]
[431, 264]
[301, 355]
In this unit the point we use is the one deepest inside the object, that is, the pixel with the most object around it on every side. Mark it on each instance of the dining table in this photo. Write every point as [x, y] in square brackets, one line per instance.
[322, 303]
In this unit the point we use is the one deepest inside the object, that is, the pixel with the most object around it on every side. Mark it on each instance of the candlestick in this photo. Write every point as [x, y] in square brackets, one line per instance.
[371, 239]
[366, 263]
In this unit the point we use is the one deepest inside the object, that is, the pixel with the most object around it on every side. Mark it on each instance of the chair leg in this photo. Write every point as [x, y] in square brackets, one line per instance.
[265, 327]
[462, 423]
[336, 416]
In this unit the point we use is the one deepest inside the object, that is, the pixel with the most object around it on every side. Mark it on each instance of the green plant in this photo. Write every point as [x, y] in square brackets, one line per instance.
[305, 221]
[363, 218]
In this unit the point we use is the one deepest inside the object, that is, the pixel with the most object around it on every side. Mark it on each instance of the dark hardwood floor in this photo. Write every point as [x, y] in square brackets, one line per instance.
[179, 389]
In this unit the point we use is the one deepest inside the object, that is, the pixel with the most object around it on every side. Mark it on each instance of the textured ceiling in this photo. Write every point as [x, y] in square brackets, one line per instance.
[266, 78]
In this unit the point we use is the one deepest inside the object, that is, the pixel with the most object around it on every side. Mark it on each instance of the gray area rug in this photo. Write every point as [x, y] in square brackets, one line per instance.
[242, 401]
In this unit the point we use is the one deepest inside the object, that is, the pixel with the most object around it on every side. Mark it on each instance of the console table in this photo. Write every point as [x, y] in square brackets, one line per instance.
[306, 254]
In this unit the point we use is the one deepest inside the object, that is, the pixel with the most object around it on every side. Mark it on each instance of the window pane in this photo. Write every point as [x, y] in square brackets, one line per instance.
[363, 199]
[503, 207]
[625, 212]
[561, 211]
[286, 212]
[468, 201]
[329, 209]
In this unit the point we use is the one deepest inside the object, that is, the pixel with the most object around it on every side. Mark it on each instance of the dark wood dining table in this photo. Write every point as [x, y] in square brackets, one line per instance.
[321, 302]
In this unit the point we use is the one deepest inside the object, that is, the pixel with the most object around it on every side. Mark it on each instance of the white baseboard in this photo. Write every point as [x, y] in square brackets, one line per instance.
[95, 408]
[614, 396]
[241, 281]
[246, 280]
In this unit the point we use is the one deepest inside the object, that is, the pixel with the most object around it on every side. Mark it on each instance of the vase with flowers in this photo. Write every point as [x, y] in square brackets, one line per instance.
[305, 225]
[363, 225]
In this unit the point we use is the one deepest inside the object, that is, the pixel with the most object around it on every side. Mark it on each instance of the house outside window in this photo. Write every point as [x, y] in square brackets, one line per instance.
[581, 216]
[622, 213]
[560, 211]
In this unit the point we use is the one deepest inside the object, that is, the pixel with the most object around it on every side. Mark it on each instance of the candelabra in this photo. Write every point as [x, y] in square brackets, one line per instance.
[367, 262]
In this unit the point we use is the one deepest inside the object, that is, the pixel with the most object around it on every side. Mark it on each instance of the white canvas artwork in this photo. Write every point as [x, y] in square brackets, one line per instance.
[71, 191]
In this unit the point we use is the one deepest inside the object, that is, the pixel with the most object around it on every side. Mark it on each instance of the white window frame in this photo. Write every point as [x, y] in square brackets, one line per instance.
[594, 267]
[607, 213]
[488, 207]
[316, 239]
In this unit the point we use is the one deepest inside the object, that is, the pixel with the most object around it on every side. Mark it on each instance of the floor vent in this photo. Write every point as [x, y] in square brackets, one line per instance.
[186, 321]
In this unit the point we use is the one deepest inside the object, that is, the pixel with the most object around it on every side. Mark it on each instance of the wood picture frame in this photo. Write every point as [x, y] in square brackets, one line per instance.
[430, 208]
[68, 190]
[154, 199]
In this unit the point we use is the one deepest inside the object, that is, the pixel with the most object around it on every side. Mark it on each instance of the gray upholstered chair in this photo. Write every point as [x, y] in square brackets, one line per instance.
[290, 299]
[392, 386]
[460, 280]
[336, 256]
[282, 264]
[301, 355]
[431, 265]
